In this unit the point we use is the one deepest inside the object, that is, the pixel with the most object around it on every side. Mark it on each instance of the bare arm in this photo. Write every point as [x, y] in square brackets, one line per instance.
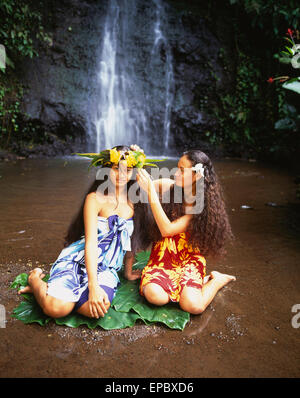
[98, 299]
[128, 263]
[90, 212]
[166, 227]
[163, 184]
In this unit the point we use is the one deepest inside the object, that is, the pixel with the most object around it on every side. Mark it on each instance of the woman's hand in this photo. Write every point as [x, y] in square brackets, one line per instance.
[144, 180]
[98, 301]
[133, 275]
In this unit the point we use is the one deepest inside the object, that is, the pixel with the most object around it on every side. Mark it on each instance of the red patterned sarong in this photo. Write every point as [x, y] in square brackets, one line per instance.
[174, 264]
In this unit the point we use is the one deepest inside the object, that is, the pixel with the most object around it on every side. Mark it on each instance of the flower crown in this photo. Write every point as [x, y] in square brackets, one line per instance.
[134, 157]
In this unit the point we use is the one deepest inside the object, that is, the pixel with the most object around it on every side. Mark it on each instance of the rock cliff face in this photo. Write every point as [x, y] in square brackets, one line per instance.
[166, 54]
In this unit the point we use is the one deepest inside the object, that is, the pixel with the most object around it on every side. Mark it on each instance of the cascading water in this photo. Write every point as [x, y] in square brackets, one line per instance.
[160, 40]
[134, 82]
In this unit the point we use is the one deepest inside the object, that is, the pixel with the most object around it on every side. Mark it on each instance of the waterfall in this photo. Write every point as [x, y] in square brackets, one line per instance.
[127, 106]
[161, 40]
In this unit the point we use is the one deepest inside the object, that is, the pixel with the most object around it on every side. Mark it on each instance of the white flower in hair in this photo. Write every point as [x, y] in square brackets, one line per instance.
[199, 168]
[136, 148]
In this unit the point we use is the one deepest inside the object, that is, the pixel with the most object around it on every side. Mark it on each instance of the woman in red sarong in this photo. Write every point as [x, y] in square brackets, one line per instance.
[184, 234]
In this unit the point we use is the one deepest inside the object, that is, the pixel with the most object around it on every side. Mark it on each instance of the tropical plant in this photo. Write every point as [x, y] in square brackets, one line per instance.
[21, 29]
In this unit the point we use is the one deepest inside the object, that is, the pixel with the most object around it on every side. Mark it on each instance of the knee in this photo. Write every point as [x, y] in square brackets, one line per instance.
[191, 306]
[155, 294]
[86, 311]
[56, 310]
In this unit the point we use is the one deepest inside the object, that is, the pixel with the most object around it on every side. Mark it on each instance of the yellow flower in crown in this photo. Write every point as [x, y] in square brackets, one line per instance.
[130, 159]
[115, 156]
[141, 158]
[134, 157]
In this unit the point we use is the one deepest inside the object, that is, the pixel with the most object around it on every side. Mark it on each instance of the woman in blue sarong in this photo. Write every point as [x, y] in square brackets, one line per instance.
[84, 277]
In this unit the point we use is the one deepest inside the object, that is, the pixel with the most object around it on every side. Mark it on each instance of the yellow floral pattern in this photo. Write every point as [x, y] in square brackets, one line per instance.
[115, 156]
[131, 160]
[174, 264]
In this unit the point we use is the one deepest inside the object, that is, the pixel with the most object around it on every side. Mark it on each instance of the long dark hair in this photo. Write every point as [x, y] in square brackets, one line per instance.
[209, 230]
[139, 240]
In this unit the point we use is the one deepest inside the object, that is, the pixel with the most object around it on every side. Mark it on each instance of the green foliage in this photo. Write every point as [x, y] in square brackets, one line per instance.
[255, 117]
[273, 13]
[21, 24]
[234, 111]
[293, 84]
[126, 308]
[21, 29]
[10, 100]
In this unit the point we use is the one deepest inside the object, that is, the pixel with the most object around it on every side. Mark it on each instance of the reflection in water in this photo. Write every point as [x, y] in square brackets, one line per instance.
[39, 197]
[246, 323]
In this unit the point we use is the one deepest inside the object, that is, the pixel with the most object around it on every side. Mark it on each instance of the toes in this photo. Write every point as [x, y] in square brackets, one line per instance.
[25, 290]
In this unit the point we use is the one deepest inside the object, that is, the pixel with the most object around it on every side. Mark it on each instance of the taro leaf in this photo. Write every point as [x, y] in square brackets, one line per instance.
[20, 281]
[141, 259]
[128, 298]
[29, 312]
[118, 320]
[74, 320]
[168, 314]
[111, 320]
[127, 306]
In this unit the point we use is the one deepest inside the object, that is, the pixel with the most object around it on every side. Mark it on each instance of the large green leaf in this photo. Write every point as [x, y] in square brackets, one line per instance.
[128, 298]
[141, 259]
[111, 320]
[30, 312]
[126, 308]
[169, 314]
[20, 281]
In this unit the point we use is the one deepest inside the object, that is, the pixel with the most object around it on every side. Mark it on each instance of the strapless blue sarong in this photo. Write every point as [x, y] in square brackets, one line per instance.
[68, 279]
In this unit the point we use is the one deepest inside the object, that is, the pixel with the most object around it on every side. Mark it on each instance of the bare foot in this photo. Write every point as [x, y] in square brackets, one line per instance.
[206, 278]
[35, 273]
[223, 279]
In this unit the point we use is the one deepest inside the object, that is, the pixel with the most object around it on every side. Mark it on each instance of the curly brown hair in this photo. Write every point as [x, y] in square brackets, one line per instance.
[210, 229]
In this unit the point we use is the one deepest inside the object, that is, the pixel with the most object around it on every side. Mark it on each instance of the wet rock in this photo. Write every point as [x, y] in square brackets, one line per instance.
[61, 90]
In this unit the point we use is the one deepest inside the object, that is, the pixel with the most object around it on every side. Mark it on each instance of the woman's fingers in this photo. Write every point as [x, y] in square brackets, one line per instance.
[98, 308]
[93, 310]
[143, 179]
[144, 174]
[103, 307]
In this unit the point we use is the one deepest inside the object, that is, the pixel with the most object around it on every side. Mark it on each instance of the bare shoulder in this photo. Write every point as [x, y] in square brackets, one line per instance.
[92, 202]
[91, 198]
